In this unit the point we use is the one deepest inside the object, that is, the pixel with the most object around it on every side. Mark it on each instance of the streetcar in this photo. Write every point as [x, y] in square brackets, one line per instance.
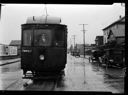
[43, 46]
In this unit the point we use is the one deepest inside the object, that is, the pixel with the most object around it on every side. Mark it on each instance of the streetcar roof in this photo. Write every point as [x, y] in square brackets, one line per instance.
[41, 24]
[43, 20]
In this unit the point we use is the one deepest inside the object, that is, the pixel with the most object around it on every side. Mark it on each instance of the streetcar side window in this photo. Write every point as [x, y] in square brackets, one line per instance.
[27, 37]
[59, 37]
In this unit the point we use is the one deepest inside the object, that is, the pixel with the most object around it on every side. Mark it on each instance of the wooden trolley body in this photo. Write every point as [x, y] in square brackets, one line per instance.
[50, 55]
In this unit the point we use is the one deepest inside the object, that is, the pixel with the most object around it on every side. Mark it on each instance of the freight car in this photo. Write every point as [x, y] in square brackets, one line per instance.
[43, 46]
[7, 52]
[3, 50]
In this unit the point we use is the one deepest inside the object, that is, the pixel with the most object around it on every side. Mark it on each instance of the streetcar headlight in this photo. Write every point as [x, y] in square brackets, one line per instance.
[41, 57]
[111, 60]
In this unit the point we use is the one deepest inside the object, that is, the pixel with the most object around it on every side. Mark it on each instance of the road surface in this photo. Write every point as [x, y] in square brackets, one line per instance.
[80, 75]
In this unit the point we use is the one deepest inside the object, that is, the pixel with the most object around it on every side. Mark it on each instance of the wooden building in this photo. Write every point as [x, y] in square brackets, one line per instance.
[115, 32]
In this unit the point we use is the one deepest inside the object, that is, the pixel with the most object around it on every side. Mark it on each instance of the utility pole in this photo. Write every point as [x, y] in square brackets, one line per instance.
[70, 46]
[46, 13]
[84, 37]
[74, 36]
[84, 50]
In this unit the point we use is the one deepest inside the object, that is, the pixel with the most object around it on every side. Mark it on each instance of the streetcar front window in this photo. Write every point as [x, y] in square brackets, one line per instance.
[59, 37]
[27, 37]
[42, 37]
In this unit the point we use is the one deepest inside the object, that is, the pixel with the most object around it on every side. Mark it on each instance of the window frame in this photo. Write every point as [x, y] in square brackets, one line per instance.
[48, 34]
[59, 43]
[26, 30]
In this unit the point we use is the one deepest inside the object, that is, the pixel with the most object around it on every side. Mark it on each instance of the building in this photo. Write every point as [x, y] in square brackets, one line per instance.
[81, 48]
[117, 37]
[115, 32]
[99, 40]
[114, 41]
[16, 43]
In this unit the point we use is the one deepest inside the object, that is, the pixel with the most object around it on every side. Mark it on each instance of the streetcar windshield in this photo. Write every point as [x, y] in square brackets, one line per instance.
[42, 37]
[27, 38]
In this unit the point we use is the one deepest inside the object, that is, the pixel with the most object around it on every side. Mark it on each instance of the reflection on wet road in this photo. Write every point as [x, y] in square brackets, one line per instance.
[9, 75]
[80, 75]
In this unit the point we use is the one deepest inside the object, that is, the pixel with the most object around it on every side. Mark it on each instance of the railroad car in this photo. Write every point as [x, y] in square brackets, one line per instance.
[6, 50]
[12, 51]
[43, 46]
[3, 50]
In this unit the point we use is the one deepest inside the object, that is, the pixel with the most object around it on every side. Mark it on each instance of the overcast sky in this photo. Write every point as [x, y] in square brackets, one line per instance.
[96, 16]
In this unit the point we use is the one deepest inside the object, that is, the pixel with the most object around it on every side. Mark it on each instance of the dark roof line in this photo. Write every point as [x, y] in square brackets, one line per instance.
[15, 42]
[98, 37]
[118, 21]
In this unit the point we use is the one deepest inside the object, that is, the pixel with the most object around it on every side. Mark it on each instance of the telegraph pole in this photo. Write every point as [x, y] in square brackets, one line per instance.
[74, 36]
[46, 13]
[84, 37]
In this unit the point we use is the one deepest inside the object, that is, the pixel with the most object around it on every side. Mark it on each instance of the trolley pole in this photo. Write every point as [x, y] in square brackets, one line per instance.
[84, 37]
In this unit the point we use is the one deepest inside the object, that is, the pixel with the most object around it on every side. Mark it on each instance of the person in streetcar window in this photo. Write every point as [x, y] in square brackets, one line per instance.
[42, 39]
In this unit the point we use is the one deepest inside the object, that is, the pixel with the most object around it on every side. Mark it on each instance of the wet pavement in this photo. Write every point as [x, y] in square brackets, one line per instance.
[80, 75]
[4, 62]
